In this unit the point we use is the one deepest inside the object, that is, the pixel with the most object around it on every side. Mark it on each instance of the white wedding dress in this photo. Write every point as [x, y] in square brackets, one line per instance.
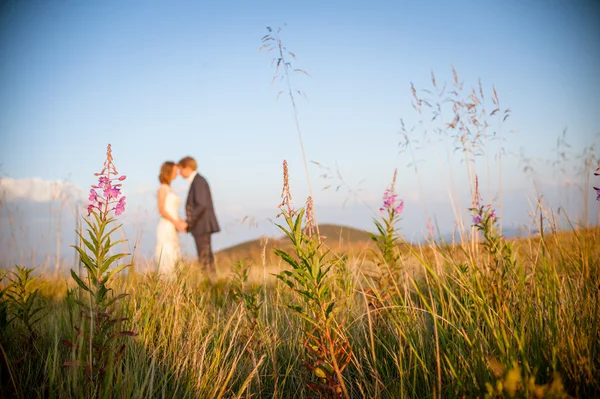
[167, 240]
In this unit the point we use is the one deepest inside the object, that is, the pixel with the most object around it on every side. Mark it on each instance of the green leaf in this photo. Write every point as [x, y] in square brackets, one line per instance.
[110, 261]
[315, 269]
[120, 296]
[305, 317]
[93, 248]
[87, 262]
[110, 244]
[285, 280]
[31, 299]
[96, 215]
[115, 271]
[296, 308]
[288, 233]
[107, 235]
[286, 257]
[307, 294]
[329, 309]
[110, 323]
[91, 226]
[101, 294]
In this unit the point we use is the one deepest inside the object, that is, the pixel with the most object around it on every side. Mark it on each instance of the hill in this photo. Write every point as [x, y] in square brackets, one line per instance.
[336, 236]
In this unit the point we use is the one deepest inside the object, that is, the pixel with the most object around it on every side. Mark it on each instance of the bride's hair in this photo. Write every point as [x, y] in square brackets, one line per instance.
[165, 172]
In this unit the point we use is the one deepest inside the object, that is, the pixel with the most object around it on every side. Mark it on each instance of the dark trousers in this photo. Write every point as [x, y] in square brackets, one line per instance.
[205, 254]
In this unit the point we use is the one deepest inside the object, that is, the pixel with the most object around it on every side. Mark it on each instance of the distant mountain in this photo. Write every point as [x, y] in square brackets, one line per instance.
[336, 236]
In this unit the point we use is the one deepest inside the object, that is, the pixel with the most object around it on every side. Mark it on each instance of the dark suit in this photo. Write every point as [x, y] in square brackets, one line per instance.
[201, 220]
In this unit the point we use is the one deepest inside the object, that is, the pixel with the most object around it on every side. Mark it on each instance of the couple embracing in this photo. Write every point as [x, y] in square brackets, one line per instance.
[200, 219]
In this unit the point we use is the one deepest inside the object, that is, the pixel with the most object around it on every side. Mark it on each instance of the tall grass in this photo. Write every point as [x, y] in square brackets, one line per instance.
[436, 334]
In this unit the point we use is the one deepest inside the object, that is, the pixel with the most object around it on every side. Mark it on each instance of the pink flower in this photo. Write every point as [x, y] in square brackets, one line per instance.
[400, 207]
[108, 199]
[389, 202]
[103, 181]
[111, 192]
[477, 219]
[120, 208]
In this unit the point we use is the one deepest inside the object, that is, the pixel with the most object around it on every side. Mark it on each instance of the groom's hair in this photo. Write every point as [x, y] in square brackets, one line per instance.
[188, 162]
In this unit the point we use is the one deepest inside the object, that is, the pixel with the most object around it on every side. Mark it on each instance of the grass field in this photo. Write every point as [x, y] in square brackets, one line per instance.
[445, 325]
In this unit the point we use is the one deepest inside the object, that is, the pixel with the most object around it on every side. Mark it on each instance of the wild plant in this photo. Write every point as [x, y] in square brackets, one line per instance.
[500, 251]
[97, 344]
[3, 303]
[249, 297]
[387, 239]
[23, 303]
[326, 344]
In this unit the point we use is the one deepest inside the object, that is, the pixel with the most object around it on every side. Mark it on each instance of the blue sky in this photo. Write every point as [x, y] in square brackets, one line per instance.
[161, 80]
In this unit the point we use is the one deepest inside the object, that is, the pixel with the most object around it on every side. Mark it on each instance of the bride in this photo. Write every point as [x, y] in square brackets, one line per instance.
[167, 241]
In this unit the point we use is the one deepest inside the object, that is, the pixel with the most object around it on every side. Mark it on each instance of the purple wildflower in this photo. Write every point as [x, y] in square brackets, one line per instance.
[120, 208]
[107, 200]
[400, 207]
[493, 214]
[111, 192]
[597, 192]
[388, 199]
[477, 219]
[103, 181]
[389, 202]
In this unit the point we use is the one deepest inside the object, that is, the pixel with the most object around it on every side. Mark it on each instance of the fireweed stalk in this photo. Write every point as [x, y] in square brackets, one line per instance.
[97, 344]
[327, 348]
[500, 251]
[387, 237]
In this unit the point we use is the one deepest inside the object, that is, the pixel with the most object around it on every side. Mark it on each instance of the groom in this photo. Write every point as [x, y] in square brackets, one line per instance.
[200, 214]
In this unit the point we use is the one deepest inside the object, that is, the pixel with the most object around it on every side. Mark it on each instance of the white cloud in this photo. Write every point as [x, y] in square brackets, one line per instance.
[38, 190]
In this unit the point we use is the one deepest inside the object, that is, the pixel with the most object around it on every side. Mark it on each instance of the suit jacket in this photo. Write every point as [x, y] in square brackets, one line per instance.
[199, 209]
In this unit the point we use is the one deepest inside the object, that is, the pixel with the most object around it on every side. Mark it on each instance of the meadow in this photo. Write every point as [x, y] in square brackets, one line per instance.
[309, 316]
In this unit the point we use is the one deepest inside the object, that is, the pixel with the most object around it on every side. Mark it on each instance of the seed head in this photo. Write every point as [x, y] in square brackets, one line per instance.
[309, 220]
[285, 192]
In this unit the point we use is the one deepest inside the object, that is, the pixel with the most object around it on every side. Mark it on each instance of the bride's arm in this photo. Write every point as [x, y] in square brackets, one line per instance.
[162, 195]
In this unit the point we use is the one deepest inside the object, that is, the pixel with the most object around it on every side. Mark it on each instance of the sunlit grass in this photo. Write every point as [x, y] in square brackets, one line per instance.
[193, 342]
